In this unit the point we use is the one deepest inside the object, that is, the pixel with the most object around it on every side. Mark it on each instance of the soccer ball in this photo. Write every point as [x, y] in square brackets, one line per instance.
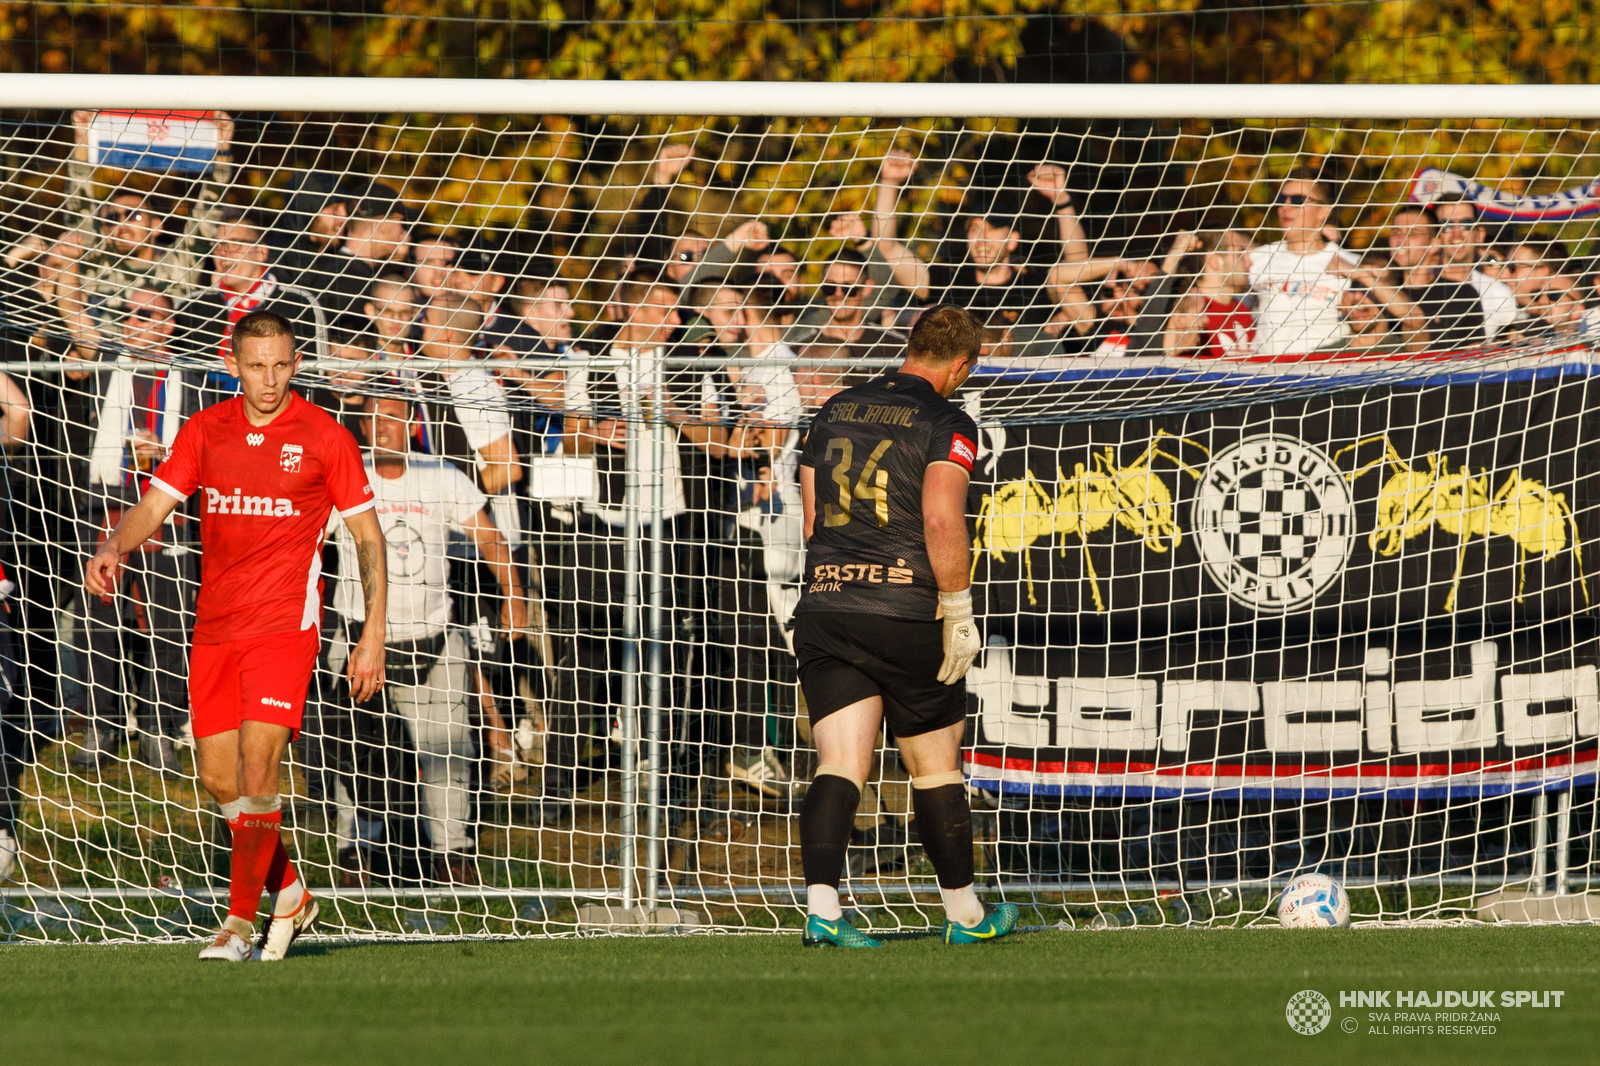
[1314, 901]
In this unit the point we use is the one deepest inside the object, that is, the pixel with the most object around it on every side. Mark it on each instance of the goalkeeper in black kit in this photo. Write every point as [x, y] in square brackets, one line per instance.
[884, 627]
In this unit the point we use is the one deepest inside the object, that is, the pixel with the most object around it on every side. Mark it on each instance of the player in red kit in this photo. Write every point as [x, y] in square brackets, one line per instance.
[269, 467]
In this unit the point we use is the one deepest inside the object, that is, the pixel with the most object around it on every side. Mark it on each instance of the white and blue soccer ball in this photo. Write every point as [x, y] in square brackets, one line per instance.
[1314, 901]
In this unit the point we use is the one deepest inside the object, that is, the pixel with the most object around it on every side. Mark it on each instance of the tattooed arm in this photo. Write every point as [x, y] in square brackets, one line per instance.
[365, 670]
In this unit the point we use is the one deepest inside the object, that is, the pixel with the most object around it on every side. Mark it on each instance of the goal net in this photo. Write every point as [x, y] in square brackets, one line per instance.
[1283, 510]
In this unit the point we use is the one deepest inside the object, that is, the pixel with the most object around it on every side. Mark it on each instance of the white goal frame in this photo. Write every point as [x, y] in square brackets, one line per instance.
[839, 100]
[817, 100]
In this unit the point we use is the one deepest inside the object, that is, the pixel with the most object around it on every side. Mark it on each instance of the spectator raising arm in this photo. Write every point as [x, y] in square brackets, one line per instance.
[910, 272]
[720, 257]
[672, 258]
[1211, 319]
[1063, 277]
[119, 241]
[1075, 266]
[1050, 181]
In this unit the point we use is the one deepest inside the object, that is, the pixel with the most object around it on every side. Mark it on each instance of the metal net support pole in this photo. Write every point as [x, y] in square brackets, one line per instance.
[1563, 839]
[630, 634]
[1541, 841]
[655, 631]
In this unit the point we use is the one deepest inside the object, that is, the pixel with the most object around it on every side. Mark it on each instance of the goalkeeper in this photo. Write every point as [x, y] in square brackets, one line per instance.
[884, 626]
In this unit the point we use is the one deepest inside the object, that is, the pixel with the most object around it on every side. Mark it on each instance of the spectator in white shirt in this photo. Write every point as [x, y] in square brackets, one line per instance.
[420, 501]
[1297, 293]
[463, 409]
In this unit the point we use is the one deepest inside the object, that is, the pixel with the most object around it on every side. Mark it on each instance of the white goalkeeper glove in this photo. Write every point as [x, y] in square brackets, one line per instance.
[960, 635]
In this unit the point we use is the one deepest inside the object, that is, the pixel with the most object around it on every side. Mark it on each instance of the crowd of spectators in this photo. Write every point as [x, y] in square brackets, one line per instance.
[457, 351]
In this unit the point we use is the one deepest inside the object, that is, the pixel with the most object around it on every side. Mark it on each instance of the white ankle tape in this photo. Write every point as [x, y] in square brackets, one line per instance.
[260, 804]
[230, 810]
[949, 777]
[838, 771]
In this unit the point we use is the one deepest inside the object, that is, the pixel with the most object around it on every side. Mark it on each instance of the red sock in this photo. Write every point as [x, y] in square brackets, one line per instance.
[281, 872]
[255, 843]
[284, 891]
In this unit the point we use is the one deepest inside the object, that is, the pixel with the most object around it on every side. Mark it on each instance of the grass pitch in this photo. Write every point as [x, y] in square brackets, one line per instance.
[1168, 996]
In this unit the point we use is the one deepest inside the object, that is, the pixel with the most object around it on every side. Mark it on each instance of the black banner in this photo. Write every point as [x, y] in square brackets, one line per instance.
[1384, 589]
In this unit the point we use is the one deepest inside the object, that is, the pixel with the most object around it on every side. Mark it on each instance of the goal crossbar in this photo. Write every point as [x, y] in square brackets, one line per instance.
[818, 99]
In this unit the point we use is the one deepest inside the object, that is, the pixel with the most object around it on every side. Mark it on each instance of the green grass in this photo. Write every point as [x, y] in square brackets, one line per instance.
[1168, 996]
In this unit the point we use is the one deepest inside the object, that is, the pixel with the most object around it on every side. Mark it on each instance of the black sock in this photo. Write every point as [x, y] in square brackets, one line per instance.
[944, 822]
[826, 817]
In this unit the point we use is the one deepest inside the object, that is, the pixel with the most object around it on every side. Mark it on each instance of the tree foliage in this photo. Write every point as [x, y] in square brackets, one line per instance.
[1555, 41]
[855, 40]
[557, 172]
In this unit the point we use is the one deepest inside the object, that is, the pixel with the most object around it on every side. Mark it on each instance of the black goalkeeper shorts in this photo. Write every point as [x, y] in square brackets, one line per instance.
[846, 658]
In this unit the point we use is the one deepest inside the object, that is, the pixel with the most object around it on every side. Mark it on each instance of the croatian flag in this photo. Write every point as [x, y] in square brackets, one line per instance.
[183, 142]
[1580, 201]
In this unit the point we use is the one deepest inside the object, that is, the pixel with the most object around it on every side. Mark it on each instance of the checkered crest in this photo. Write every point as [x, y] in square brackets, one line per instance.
[1309, 1012]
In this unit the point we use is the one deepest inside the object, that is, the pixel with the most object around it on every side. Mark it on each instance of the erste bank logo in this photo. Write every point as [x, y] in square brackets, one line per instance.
[963, 451]
[254, 439]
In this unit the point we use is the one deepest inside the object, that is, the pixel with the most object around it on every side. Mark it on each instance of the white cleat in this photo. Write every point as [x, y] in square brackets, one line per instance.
[760, 770]
[229, 946]
[277, 934]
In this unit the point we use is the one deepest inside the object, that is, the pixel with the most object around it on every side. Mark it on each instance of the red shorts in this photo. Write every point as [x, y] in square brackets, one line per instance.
[263, 679]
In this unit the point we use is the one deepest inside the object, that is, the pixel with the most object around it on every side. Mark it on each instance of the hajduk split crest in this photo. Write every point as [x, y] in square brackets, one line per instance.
[1275, 522]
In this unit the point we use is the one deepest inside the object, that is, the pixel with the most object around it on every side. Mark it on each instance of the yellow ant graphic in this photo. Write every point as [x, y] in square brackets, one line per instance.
[1019, 513]
[1411, 501]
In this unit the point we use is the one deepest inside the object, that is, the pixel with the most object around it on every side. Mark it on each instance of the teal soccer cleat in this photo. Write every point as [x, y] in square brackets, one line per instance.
[838, 934]
[997, 922]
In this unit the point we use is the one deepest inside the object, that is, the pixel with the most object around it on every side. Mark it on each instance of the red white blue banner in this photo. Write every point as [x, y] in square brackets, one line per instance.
[182, 142]
[1580, 201]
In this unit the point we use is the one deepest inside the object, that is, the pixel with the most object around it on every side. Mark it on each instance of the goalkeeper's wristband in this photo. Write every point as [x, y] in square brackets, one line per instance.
[957, 606]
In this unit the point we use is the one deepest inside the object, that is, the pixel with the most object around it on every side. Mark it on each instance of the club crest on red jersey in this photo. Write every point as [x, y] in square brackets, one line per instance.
[289, 458]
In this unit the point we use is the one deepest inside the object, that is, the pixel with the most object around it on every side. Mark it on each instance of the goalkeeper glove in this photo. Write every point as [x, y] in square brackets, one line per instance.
[960, 635]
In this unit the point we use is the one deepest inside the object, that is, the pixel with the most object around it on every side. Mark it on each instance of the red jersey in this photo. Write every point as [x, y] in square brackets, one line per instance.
[1228, 331]
[268, 492]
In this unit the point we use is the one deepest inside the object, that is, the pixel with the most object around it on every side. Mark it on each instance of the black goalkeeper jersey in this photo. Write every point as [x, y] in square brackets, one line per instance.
[869, 447]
